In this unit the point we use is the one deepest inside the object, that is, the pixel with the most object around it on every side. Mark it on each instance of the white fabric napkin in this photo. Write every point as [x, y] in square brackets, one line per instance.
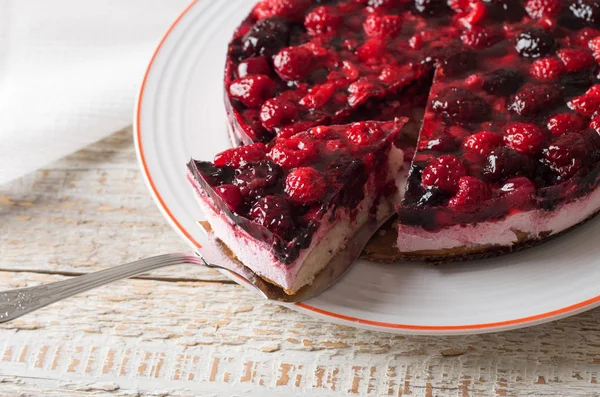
[70, 71]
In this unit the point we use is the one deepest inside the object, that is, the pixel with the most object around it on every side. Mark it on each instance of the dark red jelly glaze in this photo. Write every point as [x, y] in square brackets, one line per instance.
[279, 192]
[514, 80]
[343, 61]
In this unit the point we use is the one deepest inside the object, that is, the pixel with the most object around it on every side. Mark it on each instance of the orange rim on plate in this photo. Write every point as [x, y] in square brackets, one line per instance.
[563, 312]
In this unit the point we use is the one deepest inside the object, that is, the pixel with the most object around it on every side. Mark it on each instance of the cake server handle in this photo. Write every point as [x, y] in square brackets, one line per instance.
[16, 303]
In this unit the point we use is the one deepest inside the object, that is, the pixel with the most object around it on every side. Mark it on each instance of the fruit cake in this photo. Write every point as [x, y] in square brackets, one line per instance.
[286, 208]
[502, 96]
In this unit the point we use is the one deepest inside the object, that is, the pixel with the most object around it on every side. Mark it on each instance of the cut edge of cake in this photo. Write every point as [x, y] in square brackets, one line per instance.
[338, 225]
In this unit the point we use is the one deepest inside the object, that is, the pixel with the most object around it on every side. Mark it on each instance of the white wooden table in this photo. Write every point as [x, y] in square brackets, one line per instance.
[187, 331]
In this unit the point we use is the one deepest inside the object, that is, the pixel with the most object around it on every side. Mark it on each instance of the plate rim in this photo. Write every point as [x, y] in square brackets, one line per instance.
[505, 325]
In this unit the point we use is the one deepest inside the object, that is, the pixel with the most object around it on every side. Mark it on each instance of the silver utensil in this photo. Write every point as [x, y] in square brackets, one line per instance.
[18, 302]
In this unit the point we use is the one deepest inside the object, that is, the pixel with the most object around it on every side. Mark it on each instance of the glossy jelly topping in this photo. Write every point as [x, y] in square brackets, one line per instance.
[339, 62]
[513, 93]
[280, 192]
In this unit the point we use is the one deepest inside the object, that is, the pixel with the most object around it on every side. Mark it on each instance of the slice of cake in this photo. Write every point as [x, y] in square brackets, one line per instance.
[286, 208]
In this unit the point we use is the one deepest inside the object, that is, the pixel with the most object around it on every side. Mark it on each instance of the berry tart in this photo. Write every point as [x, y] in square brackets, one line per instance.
[502, 97]
[286, 208]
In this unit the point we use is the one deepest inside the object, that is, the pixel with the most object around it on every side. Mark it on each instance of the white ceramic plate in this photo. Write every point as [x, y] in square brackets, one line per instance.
[180, 114]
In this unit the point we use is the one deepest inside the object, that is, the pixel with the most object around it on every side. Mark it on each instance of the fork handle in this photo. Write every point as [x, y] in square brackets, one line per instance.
[16, 303]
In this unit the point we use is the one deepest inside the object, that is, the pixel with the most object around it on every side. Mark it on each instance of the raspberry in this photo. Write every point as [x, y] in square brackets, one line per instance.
[240, 156]
[588, 103]
[566, 155]
[543, 8]
[363, 133]
[293, 152]
[318, 96]
[532, 98]
[471, 193]
[274, 213]
[252, 90]
[382, 26]
[594, 45]
[361, 90]
[322, 20]
[575, 58]
[255, 65]
[394, 74]
[293, 63]
[416, 41]
[547, 69]
[350, 71]
[520, 190]
[482, 142]
[585, 35]
[565, 122]
[479, 37]
[276, 112]
[334, 145]
[525, 138]
[474, 81]
[474, 161]
[286, 9]
[372, 50]
[305, 185]
[254, 179]
[534, 43]
[504, 81]
[231, 196]
[297, 127]
[517, 183]
[323, 132]
[443, 173]
[457, 104]
[474, 15]
[343, 76]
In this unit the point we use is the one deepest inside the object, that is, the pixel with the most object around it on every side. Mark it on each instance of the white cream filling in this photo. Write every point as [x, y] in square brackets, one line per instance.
[500, 232]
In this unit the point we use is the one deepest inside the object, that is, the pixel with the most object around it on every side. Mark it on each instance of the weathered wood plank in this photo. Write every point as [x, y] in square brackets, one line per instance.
[193, 337]
[87, 212]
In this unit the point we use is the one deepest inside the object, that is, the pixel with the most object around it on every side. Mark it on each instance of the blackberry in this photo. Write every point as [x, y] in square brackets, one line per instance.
[266, 38]
[534, 43]
[502, 81]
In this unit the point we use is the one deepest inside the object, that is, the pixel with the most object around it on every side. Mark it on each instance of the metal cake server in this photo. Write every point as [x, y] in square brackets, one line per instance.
[18, 302]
